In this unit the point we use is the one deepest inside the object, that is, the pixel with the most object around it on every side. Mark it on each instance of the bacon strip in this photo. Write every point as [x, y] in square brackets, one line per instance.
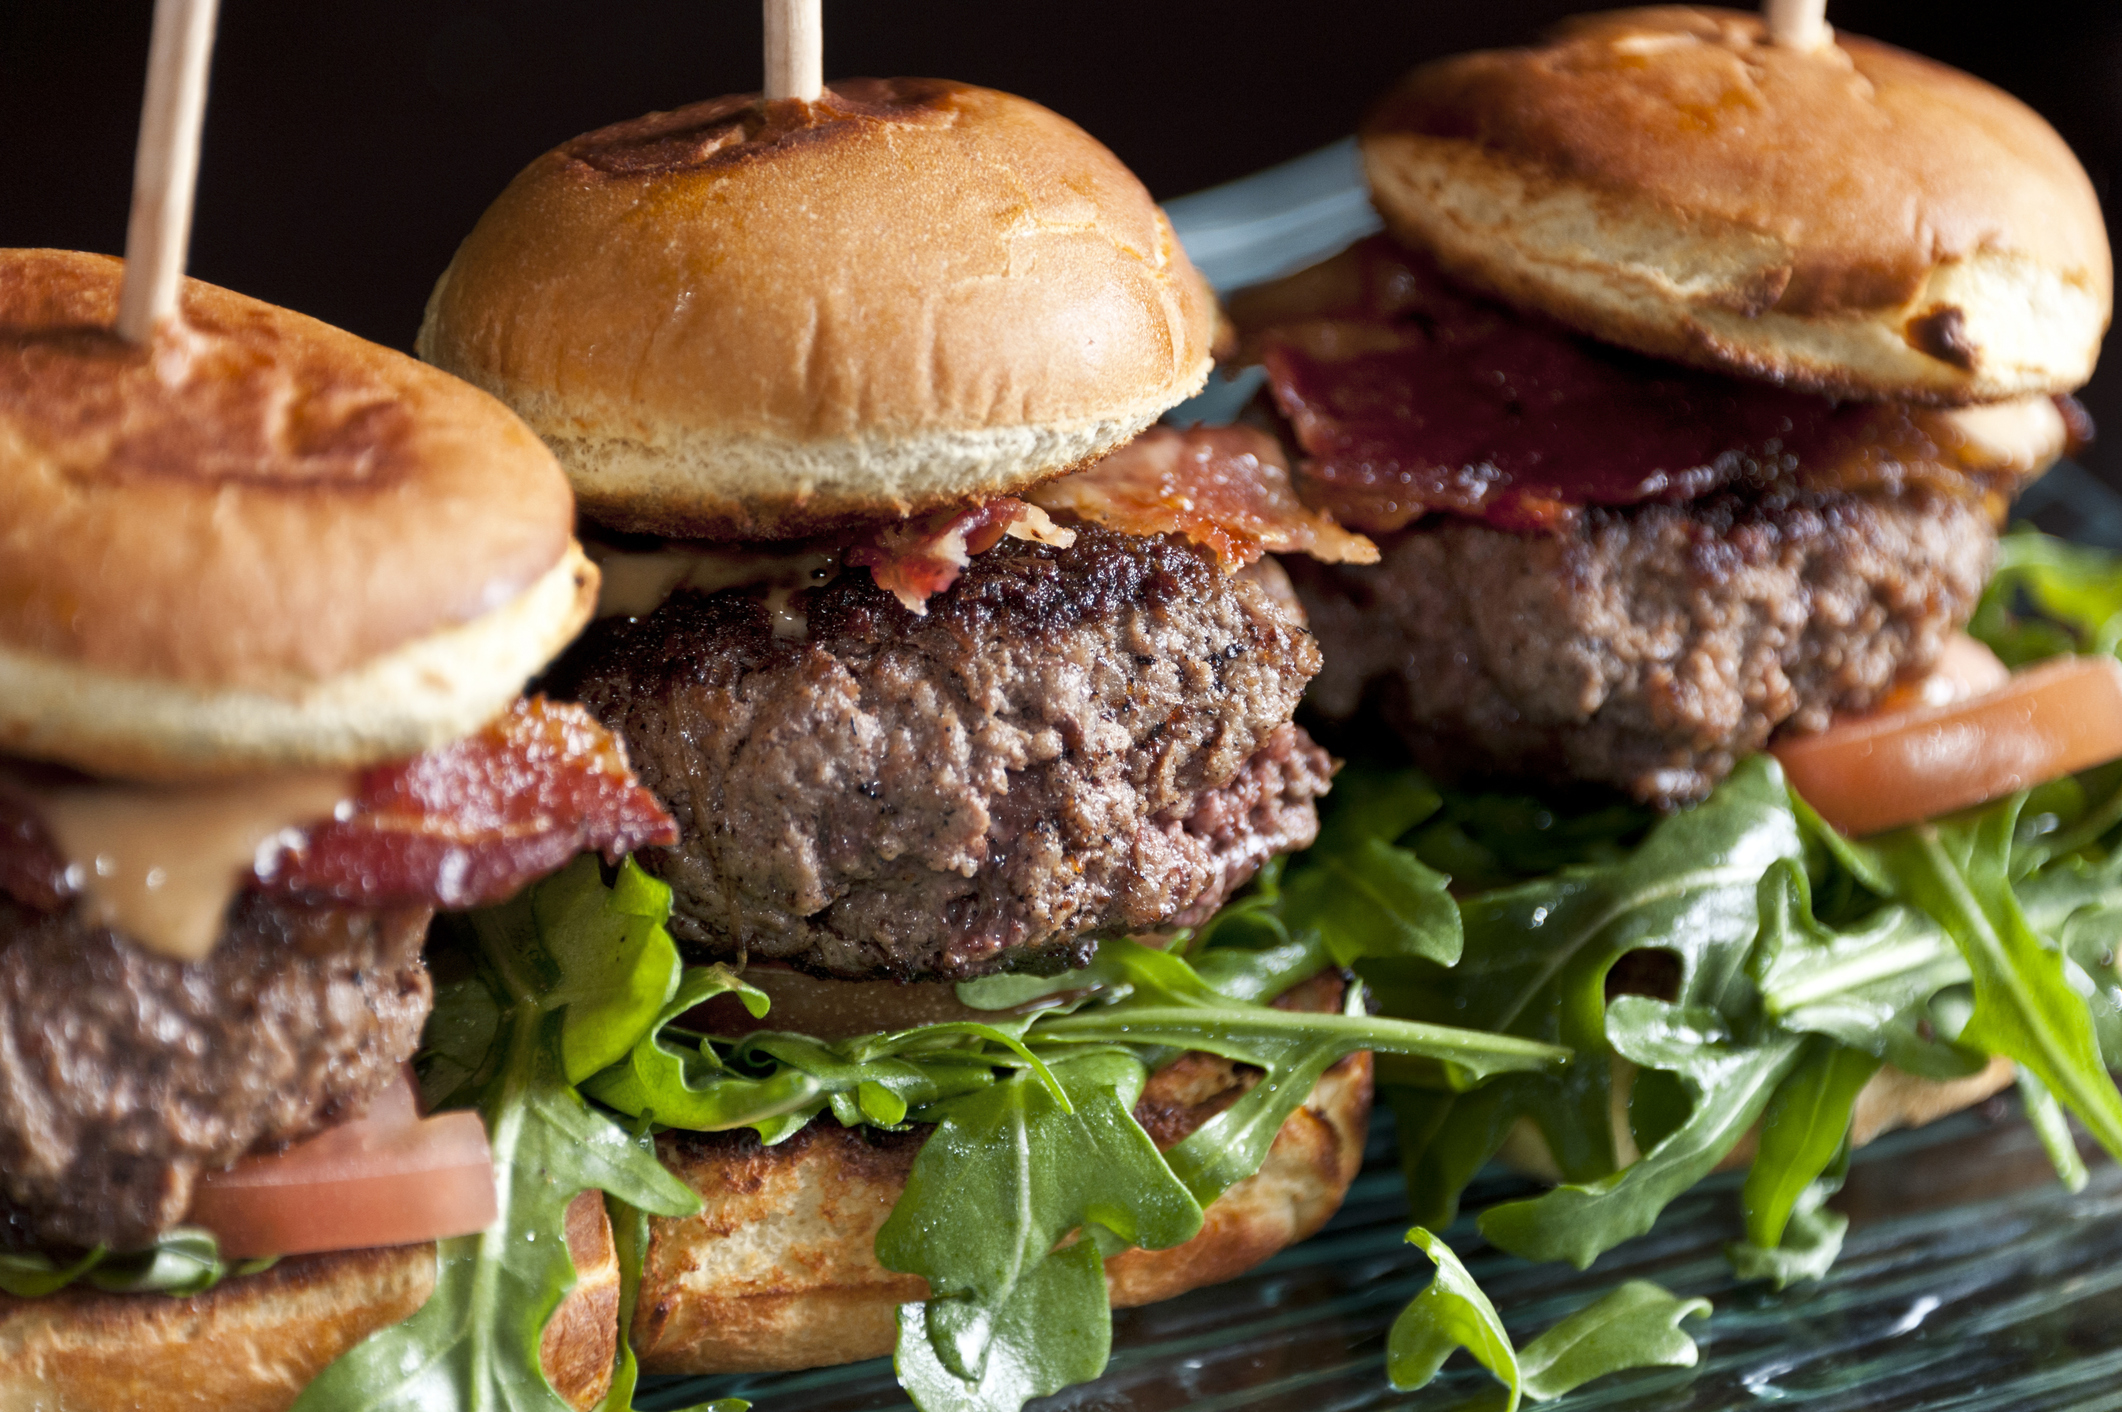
[1225, 488]
[464, 825]
[1410, 397]
[473, 822]
[924, 556]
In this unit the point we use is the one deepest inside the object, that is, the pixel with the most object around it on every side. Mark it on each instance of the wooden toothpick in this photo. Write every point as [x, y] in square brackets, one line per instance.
[795, 49]
[1797, 24]
[165, 165]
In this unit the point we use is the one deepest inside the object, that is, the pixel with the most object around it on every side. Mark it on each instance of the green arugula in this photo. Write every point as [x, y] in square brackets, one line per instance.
[1009, 1171]
[1537, 958]
[1451, 1313]
[1634, 1326]
[1037, 1167]
[568, 972]
[184, 1261]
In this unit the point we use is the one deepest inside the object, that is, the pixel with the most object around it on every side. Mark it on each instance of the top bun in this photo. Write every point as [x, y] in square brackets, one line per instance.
[1852, 219]
[752, 320]
[259, 542]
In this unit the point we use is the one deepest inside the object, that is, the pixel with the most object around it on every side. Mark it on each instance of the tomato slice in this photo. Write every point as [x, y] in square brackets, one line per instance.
[1895, 767]
[391, 1177]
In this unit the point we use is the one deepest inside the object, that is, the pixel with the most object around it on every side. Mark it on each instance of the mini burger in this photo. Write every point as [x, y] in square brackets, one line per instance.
[971, 698]
[269, 595]
[1684, 397]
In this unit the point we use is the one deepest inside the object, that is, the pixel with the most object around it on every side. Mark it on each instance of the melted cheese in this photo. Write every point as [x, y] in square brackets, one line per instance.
[636, 583]
[161, 863]
[2023, 437]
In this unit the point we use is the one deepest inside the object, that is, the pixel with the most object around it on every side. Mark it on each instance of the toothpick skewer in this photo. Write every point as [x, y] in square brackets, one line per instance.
[165, 165]
[1797, 24]
[795, 49]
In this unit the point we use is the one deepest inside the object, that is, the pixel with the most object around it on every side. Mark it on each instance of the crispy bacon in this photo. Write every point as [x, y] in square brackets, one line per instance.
[1225, 488]
[1410, 397]
[924, 556]
[474, 821]
[464, 825]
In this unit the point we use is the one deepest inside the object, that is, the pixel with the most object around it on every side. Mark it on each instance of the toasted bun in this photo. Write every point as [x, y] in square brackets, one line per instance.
[252, 1344]
[260, 542]
[1854, 219]
[744, 320]
[779, 1269]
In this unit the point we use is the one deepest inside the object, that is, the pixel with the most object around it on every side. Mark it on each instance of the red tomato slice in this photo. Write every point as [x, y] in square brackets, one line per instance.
[389, 1178]
[1881, 771]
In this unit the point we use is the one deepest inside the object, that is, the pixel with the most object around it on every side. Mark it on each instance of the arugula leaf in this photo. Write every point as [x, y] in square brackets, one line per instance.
[183, 1261]
[1375, 900]
[475, 1343]
[1805, 1125]
[1450, 1314]
[1811, 1238]
[1635, 1326]
[2025, 1007]
[1536, 961]
[1871, 987]
[2045, 1116]
[1730, 1083]
[1008, 1173]
[2047, 597]
[1055, 1331]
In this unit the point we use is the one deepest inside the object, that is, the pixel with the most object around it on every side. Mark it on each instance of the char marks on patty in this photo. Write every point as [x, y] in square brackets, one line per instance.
[1651, 647]
[996, 782]
[124, 1074]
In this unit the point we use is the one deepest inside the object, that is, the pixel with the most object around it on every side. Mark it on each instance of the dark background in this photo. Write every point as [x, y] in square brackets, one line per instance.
[349, 146]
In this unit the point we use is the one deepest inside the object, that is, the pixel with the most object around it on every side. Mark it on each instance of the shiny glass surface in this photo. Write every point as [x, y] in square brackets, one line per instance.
[1971, 1281]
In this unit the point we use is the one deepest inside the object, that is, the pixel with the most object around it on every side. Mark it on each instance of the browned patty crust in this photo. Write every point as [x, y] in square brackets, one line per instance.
[1030, 764]
[1649, 648]
[124, 1074]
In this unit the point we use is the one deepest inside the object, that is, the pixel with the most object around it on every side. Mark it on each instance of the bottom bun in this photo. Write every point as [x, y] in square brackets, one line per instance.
[252, 1344]
[779, 1270]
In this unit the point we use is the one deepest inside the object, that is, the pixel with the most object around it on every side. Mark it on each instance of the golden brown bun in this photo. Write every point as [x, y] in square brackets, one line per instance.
[261, 542]
[252, 1344]
[743, 320]
[779, 1271]
[1854, 219]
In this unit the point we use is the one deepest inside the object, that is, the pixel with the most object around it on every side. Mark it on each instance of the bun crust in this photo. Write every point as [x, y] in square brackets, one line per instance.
[419, 696]
[779, 1271]
[252, 1344]
[1856, 220]
[750, 320]
[257, 505]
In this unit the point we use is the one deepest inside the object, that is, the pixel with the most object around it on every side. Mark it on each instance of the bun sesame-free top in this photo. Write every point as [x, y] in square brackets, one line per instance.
[1853, 219]
[259, 541]
[754, 320]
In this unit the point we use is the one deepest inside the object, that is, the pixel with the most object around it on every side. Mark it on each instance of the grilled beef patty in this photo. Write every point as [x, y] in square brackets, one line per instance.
[124, 1074]
[1035, 761]
[1650, 647]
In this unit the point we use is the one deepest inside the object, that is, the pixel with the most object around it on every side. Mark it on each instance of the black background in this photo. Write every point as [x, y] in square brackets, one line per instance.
[349, 146]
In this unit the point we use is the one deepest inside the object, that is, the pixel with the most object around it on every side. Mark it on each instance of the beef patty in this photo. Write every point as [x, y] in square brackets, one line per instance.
[993, 784]
[124, 1074]
[1651, 647]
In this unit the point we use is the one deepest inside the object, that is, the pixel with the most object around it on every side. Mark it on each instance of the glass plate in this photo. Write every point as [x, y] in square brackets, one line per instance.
[1970, 1280]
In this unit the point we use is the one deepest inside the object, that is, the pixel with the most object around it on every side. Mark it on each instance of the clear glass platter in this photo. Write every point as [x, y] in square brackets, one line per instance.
[1970, 1280]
